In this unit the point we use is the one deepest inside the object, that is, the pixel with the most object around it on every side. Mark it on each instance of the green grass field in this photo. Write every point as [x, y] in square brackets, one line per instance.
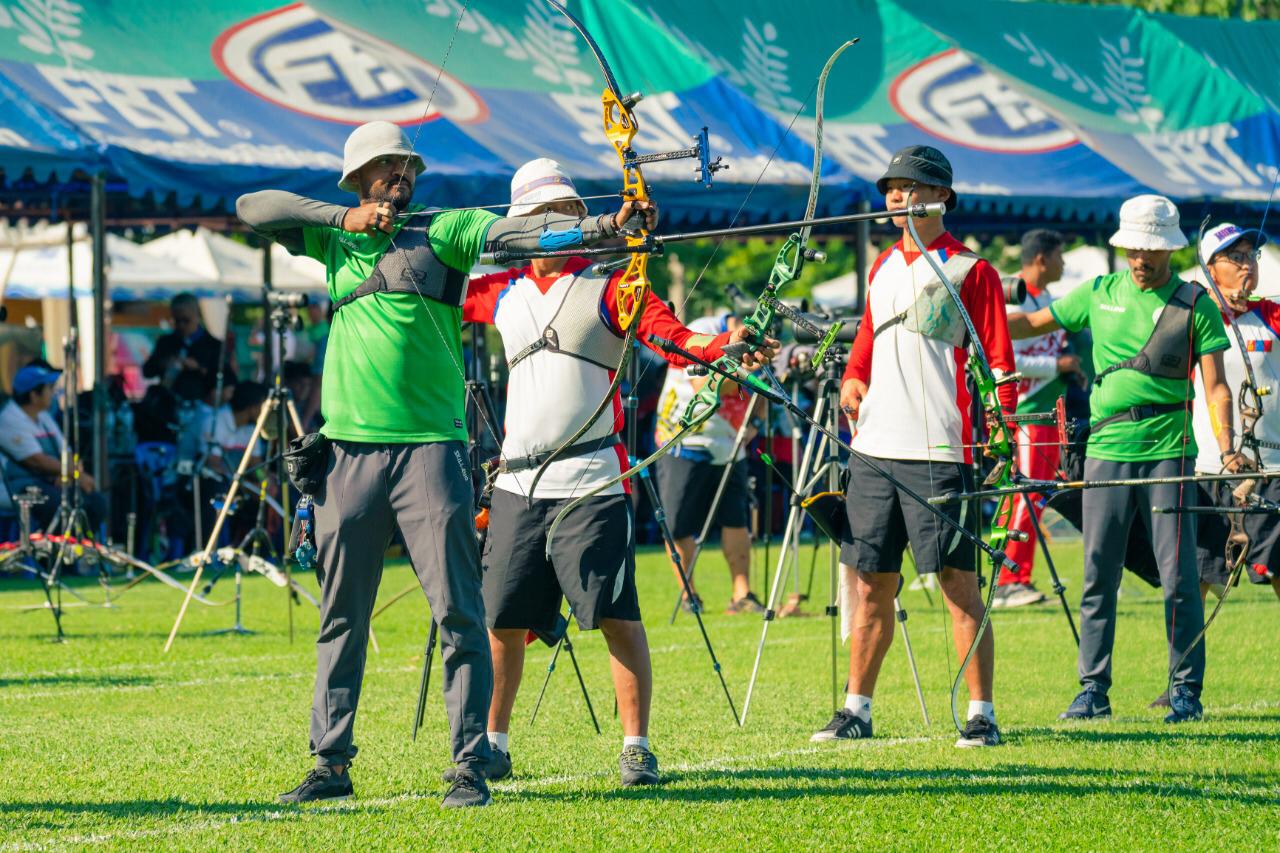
[109, 743]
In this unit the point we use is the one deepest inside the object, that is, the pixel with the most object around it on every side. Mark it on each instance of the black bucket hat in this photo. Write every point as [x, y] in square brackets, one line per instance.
[922, 164]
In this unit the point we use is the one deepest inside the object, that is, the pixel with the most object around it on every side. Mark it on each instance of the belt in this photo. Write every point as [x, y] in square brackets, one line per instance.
[1142, 413]
[533, 460]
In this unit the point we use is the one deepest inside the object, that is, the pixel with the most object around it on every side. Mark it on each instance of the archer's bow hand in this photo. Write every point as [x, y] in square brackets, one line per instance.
[1237, 463]
[636, 214]
[759, 351]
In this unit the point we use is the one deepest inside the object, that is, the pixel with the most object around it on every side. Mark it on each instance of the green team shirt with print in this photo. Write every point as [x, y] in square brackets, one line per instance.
[393, 367]
[1122, 317]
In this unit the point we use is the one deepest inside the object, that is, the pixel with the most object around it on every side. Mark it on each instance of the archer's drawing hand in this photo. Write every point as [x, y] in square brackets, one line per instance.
[370, 217]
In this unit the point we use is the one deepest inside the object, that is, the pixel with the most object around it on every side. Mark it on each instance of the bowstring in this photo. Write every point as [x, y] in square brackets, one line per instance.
[928, 431]
[477, 405]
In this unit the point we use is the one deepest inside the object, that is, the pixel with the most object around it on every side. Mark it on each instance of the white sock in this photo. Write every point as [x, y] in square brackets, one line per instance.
[986, 709]
[498, 740]
[860, 705]
[642, 742]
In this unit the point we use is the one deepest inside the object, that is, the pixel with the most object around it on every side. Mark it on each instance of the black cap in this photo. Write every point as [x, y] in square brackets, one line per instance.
[922, 164]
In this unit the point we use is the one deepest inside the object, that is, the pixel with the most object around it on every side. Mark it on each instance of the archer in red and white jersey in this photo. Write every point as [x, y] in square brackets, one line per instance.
[559, 323]
[907, 397]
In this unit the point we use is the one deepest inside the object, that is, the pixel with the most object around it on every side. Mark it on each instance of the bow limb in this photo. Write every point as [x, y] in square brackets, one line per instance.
[1000, 444]
[632, 287]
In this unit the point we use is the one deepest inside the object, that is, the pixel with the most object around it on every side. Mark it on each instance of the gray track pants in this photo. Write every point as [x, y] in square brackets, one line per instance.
[1108, 512]
[425, 489]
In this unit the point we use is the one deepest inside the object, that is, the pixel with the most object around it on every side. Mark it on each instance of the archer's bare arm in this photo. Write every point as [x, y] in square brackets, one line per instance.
[1032, 325]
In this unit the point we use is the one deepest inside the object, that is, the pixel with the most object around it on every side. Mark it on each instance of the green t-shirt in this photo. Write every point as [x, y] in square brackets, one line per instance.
[1122, 318]
[393, 367]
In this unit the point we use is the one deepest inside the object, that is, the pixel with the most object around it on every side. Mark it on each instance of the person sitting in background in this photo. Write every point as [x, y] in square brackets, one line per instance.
[32, 446]
[188, 352]
[233, 429]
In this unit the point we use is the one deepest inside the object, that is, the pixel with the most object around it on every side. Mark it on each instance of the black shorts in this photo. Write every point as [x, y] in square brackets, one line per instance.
[1263, 560]
[687, 488]
[883, 519]
[592, 562]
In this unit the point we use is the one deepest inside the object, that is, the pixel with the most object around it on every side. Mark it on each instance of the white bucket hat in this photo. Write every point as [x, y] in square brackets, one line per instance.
[538, 182]
[1149, 223]
[370, 141]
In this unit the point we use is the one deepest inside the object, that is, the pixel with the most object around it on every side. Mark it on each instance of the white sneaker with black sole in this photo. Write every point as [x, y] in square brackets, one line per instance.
[845, 725]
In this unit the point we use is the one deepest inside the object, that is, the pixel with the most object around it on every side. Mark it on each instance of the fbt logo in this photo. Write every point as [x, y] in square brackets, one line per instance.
[949, 96]
[321, 68]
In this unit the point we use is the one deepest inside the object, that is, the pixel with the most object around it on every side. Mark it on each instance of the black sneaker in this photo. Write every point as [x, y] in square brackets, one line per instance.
[1184, 706]
[321, 784]
[1089, 704]
[639, 766]
[467, 790]
[1161, 701]
[692, 605]
[979, 731]
[498, 768]
[845, 725]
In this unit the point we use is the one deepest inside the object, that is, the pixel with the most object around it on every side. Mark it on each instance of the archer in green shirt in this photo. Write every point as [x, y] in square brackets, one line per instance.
[393, 371]
[1121, 309]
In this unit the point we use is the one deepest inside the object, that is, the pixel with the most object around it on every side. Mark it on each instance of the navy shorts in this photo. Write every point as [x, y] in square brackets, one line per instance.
[592, 562]
[883, 520]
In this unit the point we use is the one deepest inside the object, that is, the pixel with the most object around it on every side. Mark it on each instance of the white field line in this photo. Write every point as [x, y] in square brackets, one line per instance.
[189, 827]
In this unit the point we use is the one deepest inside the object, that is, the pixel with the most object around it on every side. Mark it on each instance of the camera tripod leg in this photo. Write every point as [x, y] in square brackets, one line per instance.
[551, 667]
[221, 520]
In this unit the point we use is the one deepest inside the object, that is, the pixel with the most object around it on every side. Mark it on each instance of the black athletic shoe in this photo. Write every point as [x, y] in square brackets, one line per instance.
[639, 766]
[1090, 704]
[1161, 701]
[692, 605]
[1184, 706]
[321, 784]
[467, 790]
[498, 768]
[845, 725]
[979, 731]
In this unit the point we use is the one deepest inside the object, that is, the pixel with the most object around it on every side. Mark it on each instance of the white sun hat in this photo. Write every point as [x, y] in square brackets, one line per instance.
[1149, 223]
[369, 142]
[538, 182]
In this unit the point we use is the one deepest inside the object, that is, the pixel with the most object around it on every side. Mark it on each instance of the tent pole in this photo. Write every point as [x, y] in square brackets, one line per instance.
[864, 249]
[268, 357]
[97, 224]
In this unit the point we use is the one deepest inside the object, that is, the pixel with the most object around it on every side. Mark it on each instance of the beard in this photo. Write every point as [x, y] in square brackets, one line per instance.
[397, 194]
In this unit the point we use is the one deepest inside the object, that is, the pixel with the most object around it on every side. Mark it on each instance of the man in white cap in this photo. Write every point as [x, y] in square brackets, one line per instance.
[394, 452]
[1150, 334]
[559, 324]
